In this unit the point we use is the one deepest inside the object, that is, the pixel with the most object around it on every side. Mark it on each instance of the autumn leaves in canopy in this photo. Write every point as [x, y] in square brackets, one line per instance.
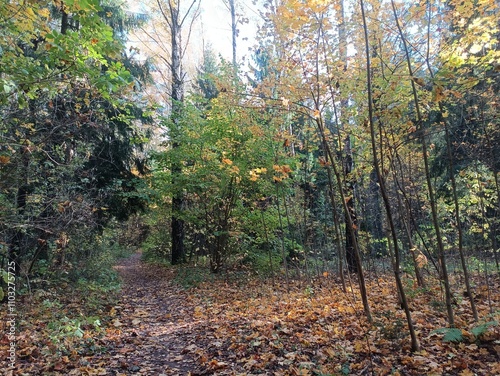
[359, 131]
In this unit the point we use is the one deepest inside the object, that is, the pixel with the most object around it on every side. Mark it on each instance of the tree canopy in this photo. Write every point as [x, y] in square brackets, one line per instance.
[359, 141]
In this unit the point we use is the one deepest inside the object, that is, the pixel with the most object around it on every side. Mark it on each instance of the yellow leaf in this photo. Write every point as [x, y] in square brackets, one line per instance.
[475, 48]
[466, 372]
[421, 260]
[30, 13]
[330, 352]
[359, 346]
[227, 161]
[44, 12]
[438, 93]
[198, 311]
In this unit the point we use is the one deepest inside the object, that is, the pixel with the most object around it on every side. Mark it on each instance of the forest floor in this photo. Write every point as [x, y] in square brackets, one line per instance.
[243, 326]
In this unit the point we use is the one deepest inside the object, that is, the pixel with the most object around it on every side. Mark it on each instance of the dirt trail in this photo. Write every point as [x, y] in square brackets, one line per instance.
[153, 322]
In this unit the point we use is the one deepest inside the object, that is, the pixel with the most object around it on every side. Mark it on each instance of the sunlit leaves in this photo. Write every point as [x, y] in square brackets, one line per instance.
[475, 40]
[281, 172]
[256, 173]
[35, 51]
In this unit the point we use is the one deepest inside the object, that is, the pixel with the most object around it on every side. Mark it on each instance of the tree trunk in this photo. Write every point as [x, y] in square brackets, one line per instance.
[234, 30]
[415, 345]
[350, 225]
[432, 200]
[177, 87]
[375, 218]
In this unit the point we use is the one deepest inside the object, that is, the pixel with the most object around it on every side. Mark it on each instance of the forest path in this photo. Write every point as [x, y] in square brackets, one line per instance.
[154, 326]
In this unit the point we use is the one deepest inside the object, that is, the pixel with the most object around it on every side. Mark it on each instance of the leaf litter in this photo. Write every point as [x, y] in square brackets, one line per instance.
[154, 326]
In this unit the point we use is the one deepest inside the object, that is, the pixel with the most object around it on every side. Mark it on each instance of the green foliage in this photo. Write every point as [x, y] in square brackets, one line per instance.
[71, 314]
[4, 276]
[450, 334]
[69, 140]
[188, 277]
[391, 327]
[413, 291]
[457, 335]
[37, 56]
[93, 259]
[73, 331]
[227, 178]
[263, 260]
[156, 245]
[482, 328]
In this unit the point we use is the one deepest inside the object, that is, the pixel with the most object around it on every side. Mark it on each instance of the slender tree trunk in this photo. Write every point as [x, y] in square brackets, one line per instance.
[459, 223]
[338, 241]
[349, 224]
[432, 200]
[350, 233]
[64, 19]
[375, 216]
[170, 11]
[354, 258]
[234, 31]
[451, 168]
[415, 345]
[350, 186]
[268, 245]
[177, 87]
[411, 245]
[282, 238]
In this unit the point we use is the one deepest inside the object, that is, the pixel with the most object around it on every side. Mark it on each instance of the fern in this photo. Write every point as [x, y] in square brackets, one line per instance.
[481, 329]
[450, 334]
[456, 335]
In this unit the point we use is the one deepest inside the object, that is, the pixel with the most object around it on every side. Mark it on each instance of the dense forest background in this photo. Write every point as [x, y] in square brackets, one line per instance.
[359, 141]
